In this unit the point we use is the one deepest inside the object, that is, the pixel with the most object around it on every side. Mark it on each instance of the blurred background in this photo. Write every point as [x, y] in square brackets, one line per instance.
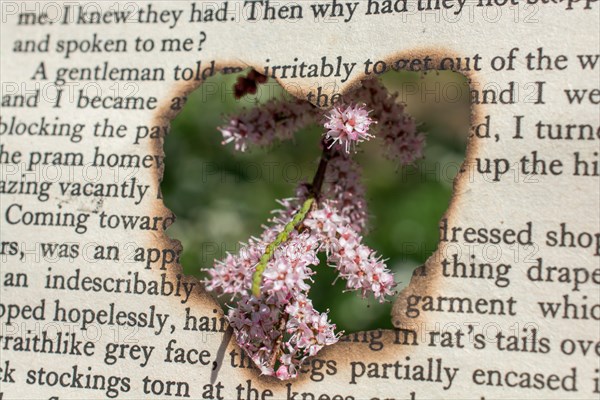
[222, 197]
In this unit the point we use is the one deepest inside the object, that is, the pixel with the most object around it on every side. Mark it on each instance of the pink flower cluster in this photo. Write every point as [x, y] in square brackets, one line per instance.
[346, 125]
[401, 140]
[359, 265]
[344, 188]
[233, 275]
[281, 328]
[278, 325]
[264, 124]
[260, 323]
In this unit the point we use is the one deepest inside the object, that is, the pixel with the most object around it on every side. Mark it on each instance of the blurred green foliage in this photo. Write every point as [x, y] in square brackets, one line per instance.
[222, 197]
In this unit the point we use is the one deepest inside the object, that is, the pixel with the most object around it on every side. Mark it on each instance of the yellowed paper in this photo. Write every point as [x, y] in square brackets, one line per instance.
[532, 333]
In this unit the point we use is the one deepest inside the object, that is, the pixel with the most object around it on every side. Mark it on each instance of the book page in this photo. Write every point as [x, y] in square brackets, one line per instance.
[128, 324]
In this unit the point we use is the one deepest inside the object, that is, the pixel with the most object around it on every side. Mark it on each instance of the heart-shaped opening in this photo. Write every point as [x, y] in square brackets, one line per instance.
[222, 197]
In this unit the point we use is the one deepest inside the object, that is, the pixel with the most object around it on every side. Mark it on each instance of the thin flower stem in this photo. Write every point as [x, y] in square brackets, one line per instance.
[317, 183]
[277, 347]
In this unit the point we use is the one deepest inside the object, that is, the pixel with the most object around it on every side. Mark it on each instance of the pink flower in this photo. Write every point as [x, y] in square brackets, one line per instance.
[288, 272]
[234, 274]
[357, 264]
[310, 330]
[401, 140]
[344, 188]
[280, 348]
[283, 372]
[264, 124]
[348, 126]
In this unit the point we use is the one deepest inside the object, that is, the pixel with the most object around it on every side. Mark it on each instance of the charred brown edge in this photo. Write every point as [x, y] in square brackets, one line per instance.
[418, 285]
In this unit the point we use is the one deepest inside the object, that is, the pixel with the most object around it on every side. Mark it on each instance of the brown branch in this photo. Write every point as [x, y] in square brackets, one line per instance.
[276, 347]
[326, 155]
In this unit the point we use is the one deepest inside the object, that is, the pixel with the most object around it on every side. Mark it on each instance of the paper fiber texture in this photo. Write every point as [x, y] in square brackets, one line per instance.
[528, 329]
